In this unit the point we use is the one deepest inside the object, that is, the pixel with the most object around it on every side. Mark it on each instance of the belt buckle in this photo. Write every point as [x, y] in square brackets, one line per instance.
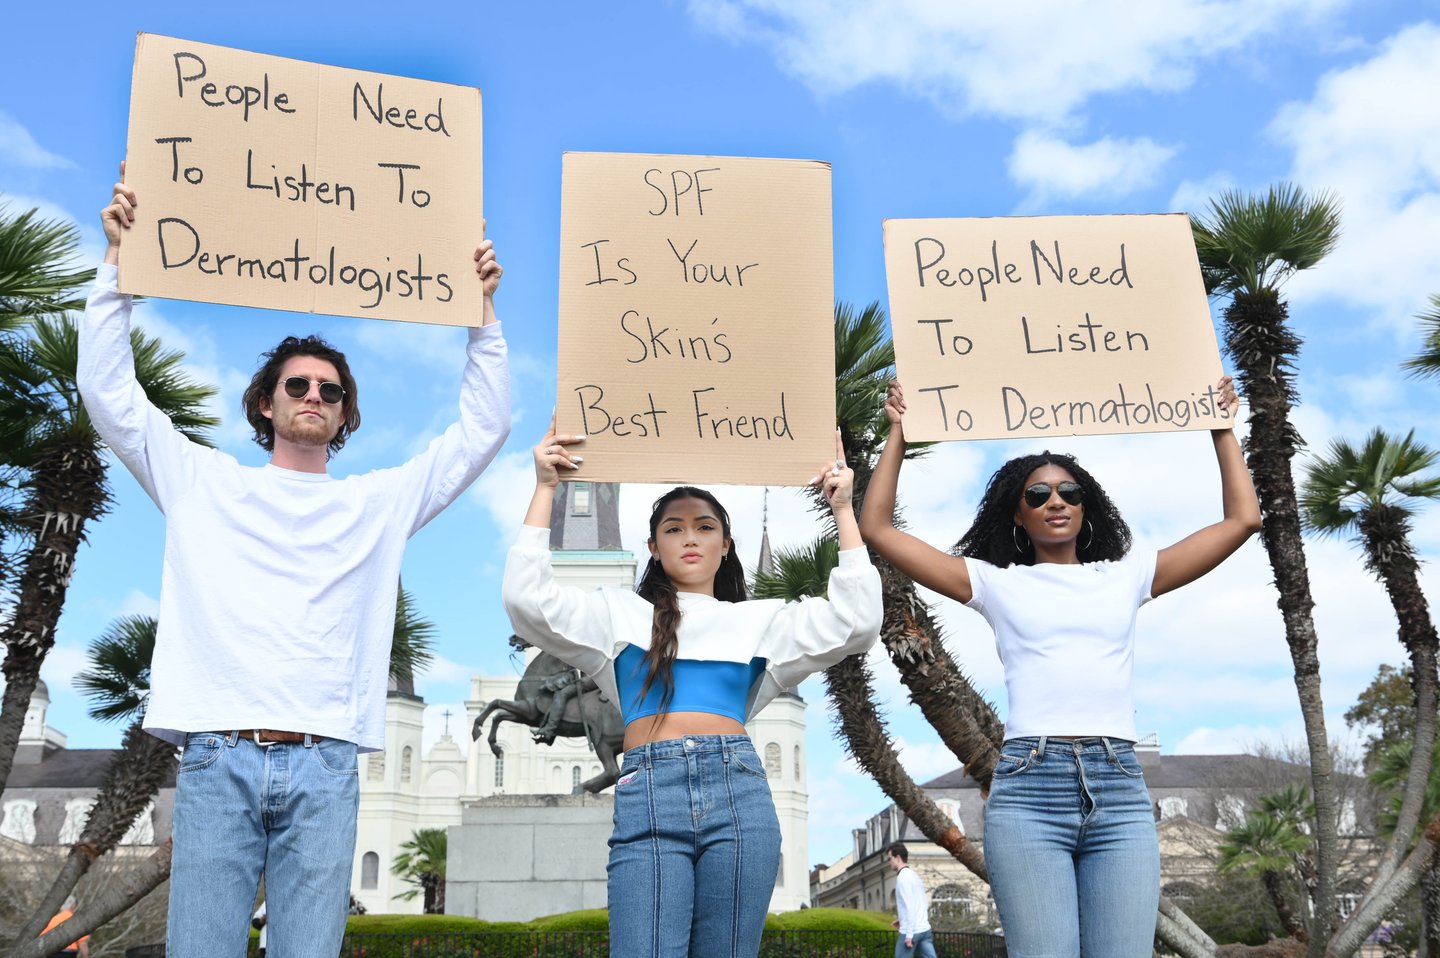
[256, 733]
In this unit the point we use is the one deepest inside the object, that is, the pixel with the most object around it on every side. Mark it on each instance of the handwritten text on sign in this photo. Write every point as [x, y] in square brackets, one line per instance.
[1040, 326]
[270, 182]
[696, 318]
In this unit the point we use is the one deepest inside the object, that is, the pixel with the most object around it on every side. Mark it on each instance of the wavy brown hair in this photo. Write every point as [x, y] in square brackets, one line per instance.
[267, 378]
[992, 537]
[656, 588]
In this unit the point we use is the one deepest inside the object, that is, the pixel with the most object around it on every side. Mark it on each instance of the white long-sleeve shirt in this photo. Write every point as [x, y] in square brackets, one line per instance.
[910, 904]
[277, 598]
[588, 629]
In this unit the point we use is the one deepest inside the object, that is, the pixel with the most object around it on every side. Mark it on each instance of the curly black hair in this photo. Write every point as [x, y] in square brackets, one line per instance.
[992, 536]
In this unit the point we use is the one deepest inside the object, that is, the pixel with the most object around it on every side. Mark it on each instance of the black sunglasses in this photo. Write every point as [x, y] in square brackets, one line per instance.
[1039, 494]
[298, 387]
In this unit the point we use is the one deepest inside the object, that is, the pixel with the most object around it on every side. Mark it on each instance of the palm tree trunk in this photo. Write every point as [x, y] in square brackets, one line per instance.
[67, 490]
[98, 911]
[863, 731]
[1261, 344]
[1275, 888]
[964, 720]
[135, 776]
[1385, 532]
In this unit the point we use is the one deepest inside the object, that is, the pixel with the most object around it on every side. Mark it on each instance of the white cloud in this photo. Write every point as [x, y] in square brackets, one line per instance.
[1034, 62]
[19, 147]
[1051, 167]
[1371, 133]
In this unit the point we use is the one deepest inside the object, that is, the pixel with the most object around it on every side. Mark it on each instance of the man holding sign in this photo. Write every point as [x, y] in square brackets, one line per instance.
[276, 611]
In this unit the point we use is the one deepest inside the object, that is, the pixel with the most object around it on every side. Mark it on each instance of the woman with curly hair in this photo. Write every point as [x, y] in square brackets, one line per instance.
[688, 661]
[1070, 840]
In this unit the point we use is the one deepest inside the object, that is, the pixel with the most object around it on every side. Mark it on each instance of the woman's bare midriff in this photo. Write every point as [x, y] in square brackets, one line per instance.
[658, 728]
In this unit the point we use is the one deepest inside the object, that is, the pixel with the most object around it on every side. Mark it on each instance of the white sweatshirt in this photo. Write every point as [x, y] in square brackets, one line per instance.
[277, 599]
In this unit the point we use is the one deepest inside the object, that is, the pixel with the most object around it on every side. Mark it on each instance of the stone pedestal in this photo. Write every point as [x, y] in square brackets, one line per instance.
[518, 857]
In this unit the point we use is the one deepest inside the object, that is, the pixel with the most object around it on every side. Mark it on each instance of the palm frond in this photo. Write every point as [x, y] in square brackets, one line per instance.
[117, 682]
[414, 638]
[40, 271]
[1247, 243]
[1426, 363]
[800, 572]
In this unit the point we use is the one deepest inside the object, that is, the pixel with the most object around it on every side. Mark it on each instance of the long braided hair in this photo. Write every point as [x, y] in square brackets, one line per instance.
[656, 588]
[992, 537]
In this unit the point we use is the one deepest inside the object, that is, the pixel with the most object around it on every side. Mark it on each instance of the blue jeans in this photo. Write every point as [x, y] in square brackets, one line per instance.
[1071, 849]
[920, 946]
[240, 809]
[695, 850]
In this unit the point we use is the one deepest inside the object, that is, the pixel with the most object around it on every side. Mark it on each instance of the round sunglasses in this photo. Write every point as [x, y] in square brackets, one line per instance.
[298, 387]
[1039, 494]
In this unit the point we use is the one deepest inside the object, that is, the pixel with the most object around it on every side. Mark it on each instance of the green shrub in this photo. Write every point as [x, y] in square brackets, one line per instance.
[421, 924]
[830, 919]
[590, 919]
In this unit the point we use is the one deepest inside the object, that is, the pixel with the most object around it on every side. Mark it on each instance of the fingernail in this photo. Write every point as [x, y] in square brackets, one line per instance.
[813, 480]
[574, 465]
[581, 436]
[578, 458]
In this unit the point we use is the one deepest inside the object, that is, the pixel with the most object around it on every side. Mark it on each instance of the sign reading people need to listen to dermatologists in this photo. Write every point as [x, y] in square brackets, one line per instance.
[265, 181]
[1010, 327]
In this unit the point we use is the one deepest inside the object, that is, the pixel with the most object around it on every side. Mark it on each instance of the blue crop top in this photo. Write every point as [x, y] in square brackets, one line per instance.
[720, 688]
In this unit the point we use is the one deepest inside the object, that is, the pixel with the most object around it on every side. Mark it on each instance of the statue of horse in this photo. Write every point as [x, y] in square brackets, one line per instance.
[588, 714]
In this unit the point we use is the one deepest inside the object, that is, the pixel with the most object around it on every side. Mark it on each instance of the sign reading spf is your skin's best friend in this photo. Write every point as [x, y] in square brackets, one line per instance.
[264, 181]
[1017, 327]
[697, 335]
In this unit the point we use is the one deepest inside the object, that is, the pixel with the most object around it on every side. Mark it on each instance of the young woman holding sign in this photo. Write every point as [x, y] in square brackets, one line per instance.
[688, 660]
[1070, 839]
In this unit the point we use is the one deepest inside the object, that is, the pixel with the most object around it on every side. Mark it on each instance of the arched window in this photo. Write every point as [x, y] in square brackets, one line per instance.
[951, 808]
[579, 498]
[375, 771]
[772, 760]
[500, 769]
[797, 763]
[1229, 812]
[19, 820]
[575, 778]
[405, 759]
[1172, 806]
[77, 810]
[370, 871]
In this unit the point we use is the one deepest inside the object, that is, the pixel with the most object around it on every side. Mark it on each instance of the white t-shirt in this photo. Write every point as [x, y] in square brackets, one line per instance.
[1066, 635]
[911, 908]
[277, 599]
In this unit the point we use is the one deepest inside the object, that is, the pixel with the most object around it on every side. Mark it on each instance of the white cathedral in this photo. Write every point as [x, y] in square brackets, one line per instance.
[403, 790]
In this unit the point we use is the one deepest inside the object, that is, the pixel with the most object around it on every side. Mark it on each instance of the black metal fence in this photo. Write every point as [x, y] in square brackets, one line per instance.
[596, 944]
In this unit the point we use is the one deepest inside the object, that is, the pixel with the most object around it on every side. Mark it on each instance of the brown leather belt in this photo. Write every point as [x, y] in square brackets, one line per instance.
[270, 736]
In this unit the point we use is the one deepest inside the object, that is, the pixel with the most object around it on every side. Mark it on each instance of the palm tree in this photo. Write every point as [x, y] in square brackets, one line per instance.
[117, 683]
[1268, 844]
[411, 643]
[1248, 246]
[1391, 774]
[38, 277]
[1369, 493]
[421, 863]
[1426, 363]
[65, 485]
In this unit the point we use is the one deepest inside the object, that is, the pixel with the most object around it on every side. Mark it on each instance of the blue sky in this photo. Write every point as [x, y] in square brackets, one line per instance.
[924, 108]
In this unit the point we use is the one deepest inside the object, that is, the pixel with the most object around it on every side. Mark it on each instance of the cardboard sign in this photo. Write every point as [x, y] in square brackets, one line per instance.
[697, 336]
[269, 182]
[1051, 326]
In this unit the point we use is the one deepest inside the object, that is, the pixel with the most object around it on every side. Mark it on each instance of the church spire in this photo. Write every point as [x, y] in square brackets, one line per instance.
[766, 563]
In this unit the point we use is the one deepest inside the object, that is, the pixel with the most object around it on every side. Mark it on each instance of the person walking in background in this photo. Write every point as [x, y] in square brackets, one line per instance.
[911, 907]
